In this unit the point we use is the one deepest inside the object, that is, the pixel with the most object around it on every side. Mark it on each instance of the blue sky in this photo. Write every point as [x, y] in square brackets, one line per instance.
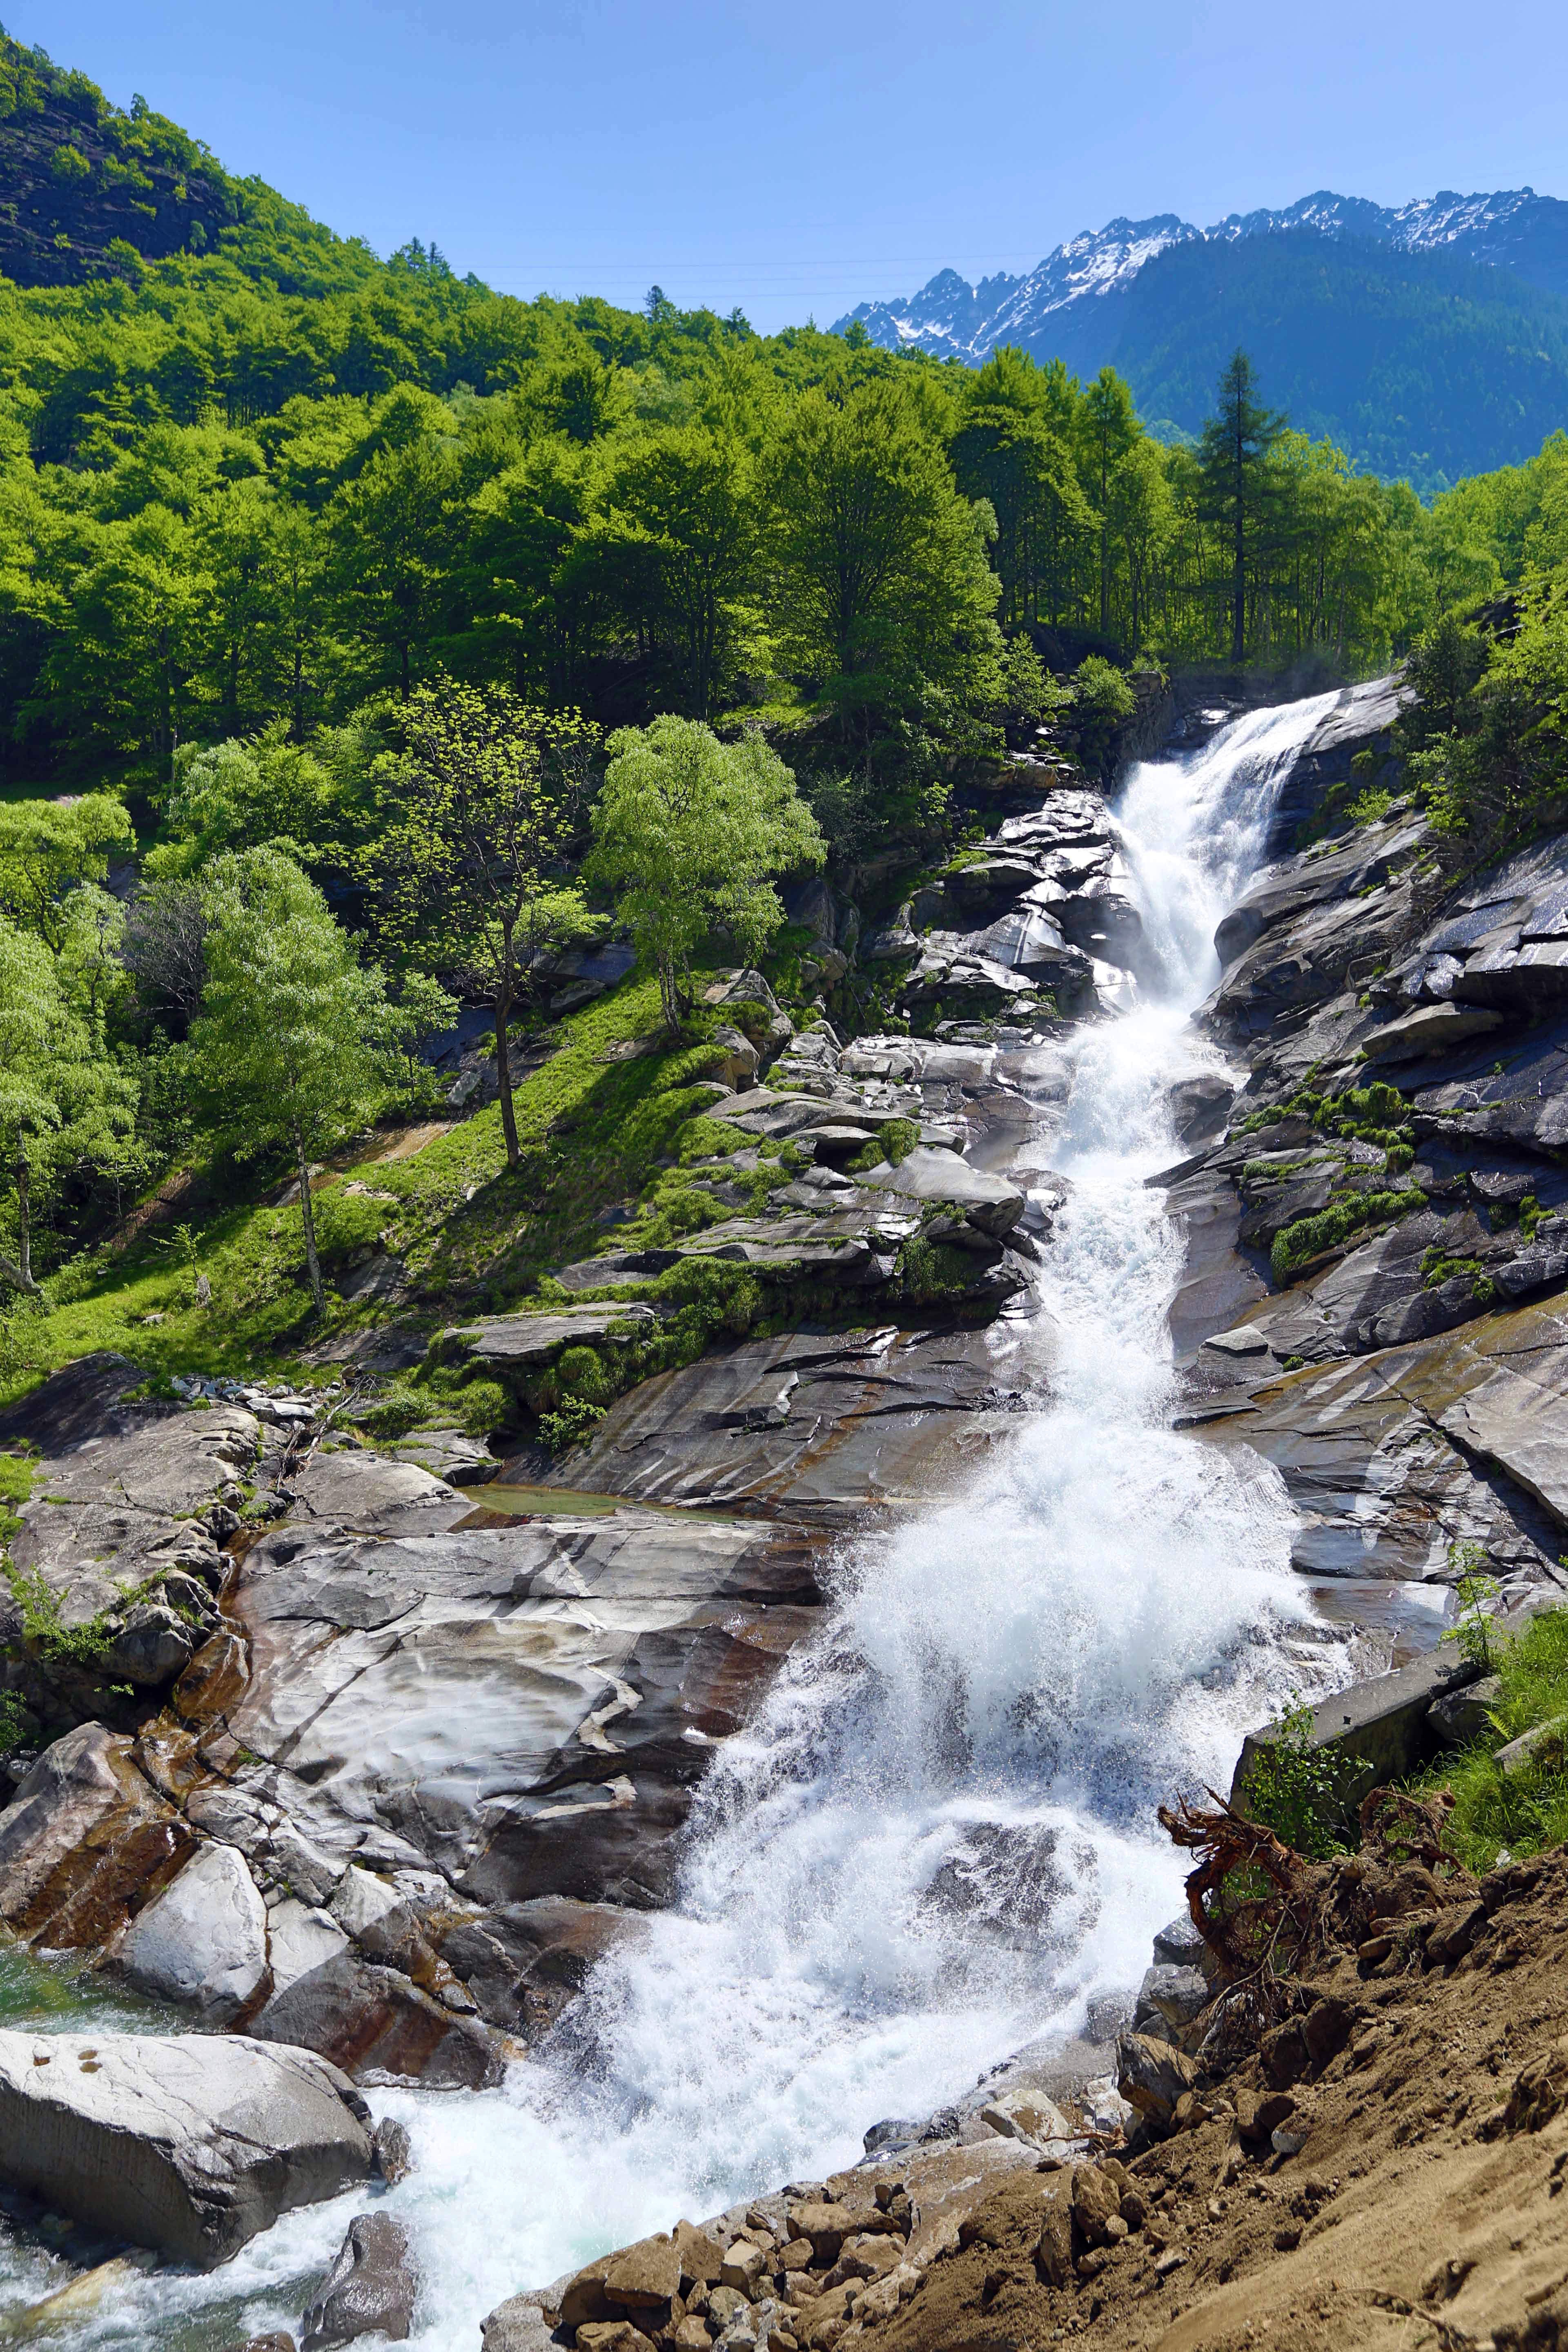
[793, 160]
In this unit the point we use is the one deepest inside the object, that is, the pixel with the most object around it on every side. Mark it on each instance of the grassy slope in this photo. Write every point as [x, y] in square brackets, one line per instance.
[471, 1231]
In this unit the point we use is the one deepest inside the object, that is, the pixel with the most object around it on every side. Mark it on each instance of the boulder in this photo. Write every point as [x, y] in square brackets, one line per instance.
[645, 2275]
[1152, 2075]
[370, 2289]
[202, 1940]
[374, 2020]
[189, 2143]
[1200, 1106]
[299, 1939]
[1027, 2114]
[392, 2150]
[519, 2325]
[1176, 1993]
[990, 1203]
[1430, 1029]
[84, 1838]
[1462, 1717]
[449, 1453]
[150, 1648]
[522, 1343]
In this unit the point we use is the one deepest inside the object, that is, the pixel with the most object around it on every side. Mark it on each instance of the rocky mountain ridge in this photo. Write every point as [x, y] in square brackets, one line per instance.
[1514, 229]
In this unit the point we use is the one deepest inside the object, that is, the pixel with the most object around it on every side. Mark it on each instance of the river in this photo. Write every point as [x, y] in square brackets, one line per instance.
[936, 1843]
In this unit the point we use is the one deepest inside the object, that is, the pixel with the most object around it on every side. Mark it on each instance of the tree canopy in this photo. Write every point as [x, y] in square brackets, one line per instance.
[690, 832]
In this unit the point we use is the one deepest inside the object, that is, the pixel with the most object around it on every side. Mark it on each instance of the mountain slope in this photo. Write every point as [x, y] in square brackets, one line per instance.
[90, 191]
[1423, 367]
[1429, 340]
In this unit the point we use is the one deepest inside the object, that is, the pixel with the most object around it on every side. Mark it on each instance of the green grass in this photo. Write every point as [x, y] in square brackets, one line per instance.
[1524, 1810]
[16, 1473]
[473, 1234]
[895, 1138]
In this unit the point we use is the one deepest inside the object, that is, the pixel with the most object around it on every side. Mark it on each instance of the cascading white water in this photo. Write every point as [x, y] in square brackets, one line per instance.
[937, 1840]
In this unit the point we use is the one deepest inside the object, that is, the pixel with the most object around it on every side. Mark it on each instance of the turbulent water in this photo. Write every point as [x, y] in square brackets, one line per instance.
[937, 1840]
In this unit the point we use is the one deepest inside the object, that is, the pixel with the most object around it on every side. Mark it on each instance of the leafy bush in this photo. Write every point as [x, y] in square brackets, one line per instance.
[17, 1728]
[930, 1272]
[895, 1138]
[580, 1372]
[81, 1646]
[1303, 1793]
[481, 1407]
[570, 1425]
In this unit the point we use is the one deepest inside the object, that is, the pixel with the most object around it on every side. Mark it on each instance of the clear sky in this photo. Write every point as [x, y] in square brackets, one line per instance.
[796, 158]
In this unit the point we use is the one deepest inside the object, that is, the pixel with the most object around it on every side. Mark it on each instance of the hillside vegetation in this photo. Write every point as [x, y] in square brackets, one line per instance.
[371, 643]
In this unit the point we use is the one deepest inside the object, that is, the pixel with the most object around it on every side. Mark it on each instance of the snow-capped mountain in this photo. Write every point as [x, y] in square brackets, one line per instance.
[1045, 310]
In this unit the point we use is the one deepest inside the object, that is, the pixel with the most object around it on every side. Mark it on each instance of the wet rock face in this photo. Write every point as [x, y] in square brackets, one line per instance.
[84, 1841]
[190, 2144]
[1373, 1294]
[370, 2289]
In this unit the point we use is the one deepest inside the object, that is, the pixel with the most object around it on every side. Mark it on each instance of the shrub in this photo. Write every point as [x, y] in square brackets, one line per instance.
[17, 1728]
[580, 1373]
[1303, 1793]
[571, 1425]
[482, 1406]
[930, 1272]
[895, 1138]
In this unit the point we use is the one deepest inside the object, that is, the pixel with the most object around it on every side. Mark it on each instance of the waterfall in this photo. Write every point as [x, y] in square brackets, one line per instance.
[936, 1841]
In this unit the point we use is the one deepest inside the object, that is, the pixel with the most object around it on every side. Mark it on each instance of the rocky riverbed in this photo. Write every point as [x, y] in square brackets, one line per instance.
[373, 1754]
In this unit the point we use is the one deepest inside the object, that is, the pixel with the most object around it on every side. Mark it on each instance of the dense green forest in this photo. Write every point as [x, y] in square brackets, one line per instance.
[1421, 367]
[407, 633]
[255, 484]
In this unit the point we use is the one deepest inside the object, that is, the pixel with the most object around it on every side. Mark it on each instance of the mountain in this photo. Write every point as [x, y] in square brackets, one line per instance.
[90, 190]
[1429, 340]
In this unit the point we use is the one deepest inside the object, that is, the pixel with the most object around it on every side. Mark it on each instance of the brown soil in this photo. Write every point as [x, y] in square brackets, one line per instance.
[1424, 2209]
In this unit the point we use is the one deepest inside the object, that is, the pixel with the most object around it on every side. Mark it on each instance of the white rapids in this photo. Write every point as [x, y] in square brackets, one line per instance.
[936, 1841]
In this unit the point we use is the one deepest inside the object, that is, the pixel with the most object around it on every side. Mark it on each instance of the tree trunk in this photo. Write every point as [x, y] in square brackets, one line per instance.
[669, 995]
[503, 1072]
[308, 1218]
[19, 1270]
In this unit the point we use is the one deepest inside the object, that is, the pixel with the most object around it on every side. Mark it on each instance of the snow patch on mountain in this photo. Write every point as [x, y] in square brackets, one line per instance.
[954, 319]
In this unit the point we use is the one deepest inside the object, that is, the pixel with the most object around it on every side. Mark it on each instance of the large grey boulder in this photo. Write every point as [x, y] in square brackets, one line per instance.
[1430, 1029]
[203, 1939]
[190, 2143]
[373, 2021]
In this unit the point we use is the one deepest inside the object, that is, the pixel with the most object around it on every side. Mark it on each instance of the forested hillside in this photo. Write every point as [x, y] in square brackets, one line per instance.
[1419, 365]
[325, 575]
[1428, 342]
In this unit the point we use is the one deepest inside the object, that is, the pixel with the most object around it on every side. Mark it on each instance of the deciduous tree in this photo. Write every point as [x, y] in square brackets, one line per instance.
[475, 815]
[691, 833]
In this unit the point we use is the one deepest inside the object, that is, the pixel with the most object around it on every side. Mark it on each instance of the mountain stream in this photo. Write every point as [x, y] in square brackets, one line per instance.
[936, 1843]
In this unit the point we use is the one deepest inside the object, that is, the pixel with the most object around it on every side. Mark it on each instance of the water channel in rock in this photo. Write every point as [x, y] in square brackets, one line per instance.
[936, 1843]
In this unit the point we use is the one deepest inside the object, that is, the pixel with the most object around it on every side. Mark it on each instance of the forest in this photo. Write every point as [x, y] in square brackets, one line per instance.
[430, 630]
